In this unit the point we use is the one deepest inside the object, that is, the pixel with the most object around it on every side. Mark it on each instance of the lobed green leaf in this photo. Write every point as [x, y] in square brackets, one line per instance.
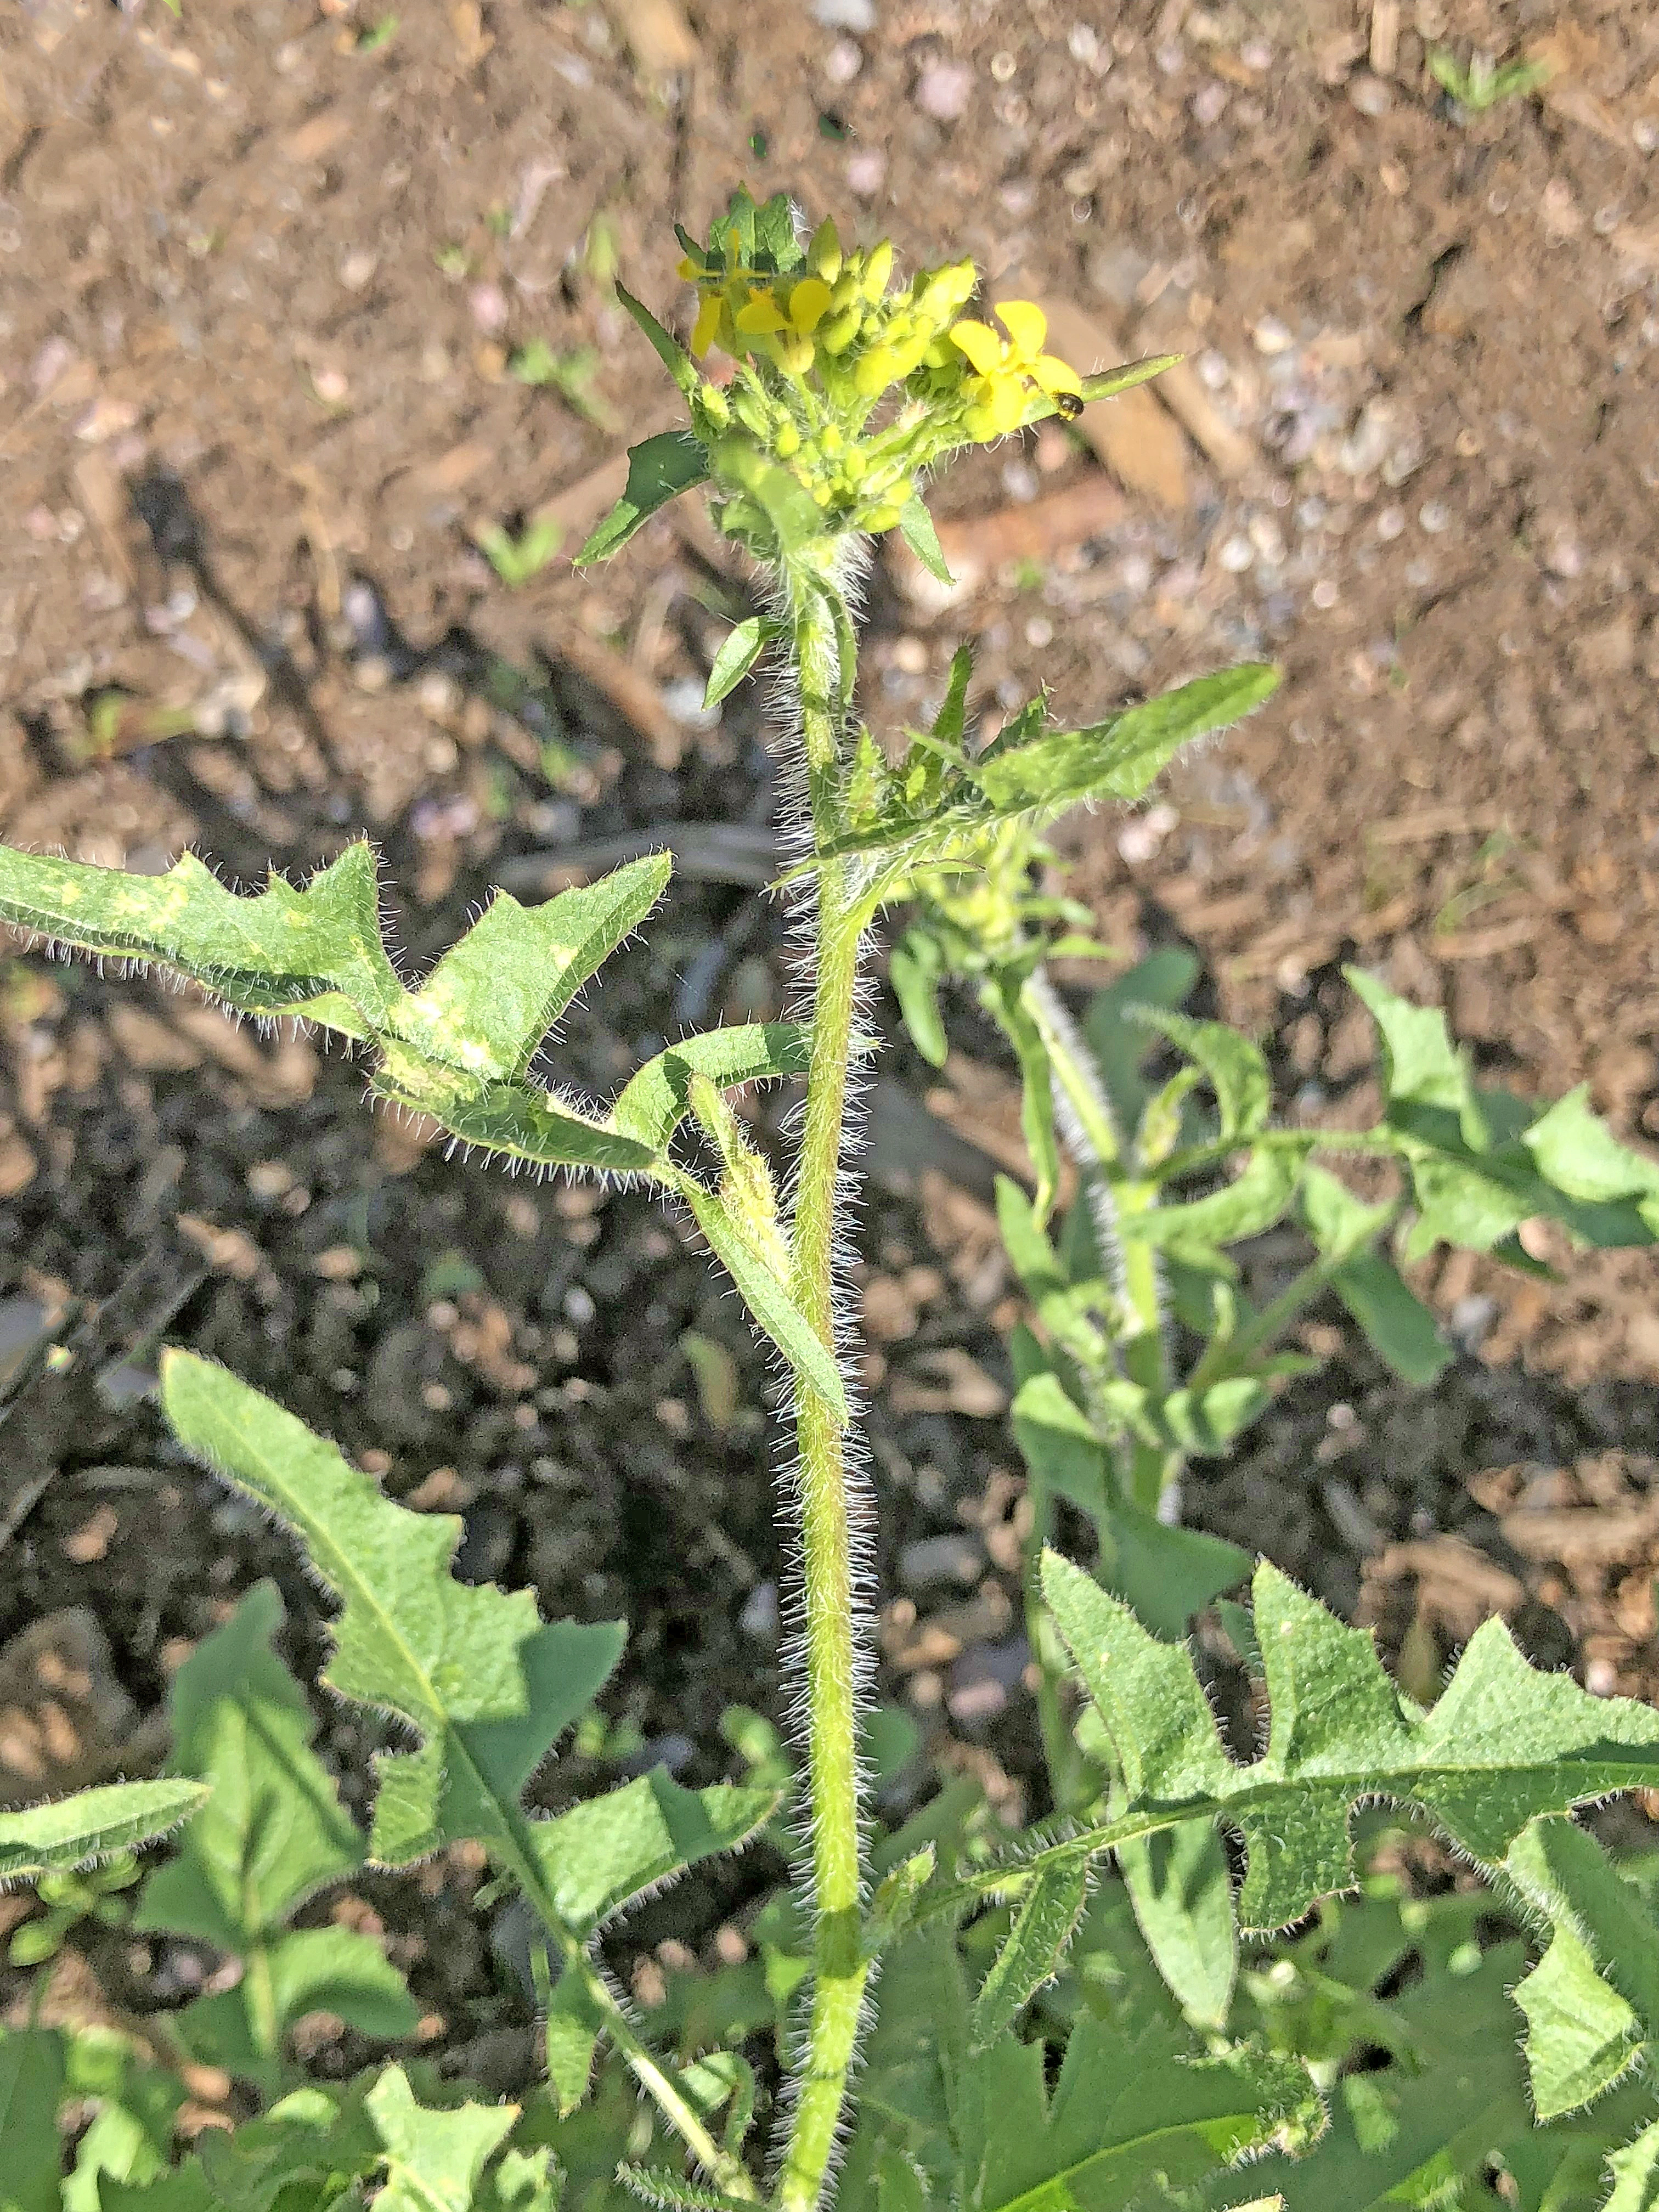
[1133, 2119]
[433, 2161]
[1236, 1071]
[1592, 2002]
[654, 1102]
[485, 1685]
[603, 1853]
[1503, 1745]
[1482, 1162]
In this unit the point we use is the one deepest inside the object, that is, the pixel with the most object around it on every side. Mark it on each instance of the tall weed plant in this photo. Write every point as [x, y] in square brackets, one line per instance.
[1197, 1982]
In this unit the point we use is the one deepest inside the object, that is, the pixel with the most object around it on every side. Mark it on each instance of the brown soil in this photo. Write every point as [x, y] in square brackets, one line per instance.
[264, 278]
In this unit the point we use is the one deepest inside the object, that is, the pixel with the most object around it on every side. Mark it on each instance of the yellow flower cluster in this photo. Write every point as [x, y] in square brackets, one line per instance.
[821, 339]
[831, 315]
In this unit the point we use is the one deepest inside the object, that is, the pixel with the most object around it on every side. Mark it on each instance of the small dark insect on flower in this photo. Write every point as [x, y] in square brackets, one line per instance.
[1070, 404]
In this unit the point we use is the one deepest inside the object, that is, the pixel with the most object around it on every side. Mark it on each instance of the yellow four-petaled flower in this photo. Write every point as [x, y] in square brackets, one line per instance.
[788, 320]
[999, 392]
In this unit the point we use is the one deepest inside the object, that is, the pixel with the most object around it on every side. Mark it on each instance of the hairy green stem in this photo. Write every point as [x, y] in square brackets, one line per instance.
[821, 635]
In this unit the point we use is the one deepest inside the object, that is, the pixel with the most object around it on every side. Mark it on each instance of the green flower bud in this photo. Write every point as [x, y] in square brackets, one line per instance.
[877, 268]
[948, 290]
[882, 518]
[875, 371]
[786, 441]
[755, 417]
[838, 331]
[711, 407]
[823, 255]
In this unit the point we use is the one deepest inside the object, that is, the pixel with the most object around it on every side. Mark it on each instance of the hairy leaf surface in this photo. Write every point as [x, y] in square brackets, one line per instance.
[458, 1048]
[79, 1831]
[1503, 1744]
[1120, 758]
[485, 1685]
[659, 469]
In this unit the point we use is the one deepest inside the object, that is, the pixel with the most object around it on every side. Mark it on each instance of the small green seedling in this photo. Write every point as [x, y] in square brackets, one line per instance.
[1482, 83]
[518, 561]
[571, 374]
[377, 35]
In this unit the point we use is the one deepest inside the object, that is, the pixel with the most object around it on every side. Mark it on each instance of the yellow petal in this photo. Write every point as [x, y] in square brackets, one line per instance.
[708, 322]
[1025, 324]
[1007, 403]
[1054, 374]
[691, 270]
[809, 303]
[980, 342]
[761, 315]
